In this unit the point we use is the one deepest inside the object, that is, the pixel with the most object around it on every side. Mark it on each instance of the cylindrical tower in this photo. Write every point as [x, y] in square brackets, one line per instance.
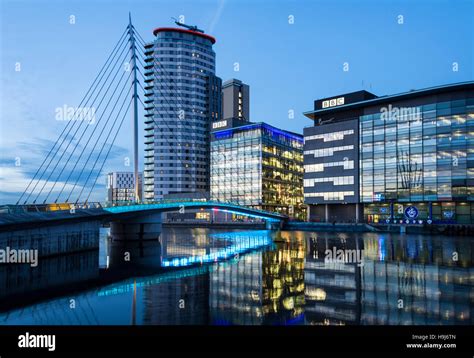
[182, 98]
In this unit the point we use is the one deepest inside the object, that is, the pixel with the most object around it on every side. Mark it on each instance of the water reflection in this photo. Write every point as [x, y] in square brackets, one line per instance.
[332, 289]
[262, 288]
[255, 278]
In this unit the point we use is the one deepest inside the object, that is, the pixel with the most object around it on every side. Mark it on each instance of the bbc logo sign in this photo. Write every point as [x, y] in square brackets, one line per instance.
[333, 102]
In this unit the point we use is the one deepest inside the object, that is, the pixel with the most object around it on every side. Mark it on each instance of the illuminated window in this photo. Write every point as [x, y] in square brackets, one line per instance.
[329, 137]
[332, 195]
[345, 180]
[314, 168]
[327, 152]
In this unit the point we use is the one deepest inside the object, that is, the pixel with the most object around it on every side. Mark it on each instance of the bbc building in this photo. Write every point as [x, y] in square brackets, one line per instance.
[404, 158]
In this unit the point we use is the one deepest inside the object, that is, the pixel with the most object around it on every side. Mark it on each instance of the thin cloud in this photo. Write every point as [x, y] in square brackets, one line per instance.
[217, 16]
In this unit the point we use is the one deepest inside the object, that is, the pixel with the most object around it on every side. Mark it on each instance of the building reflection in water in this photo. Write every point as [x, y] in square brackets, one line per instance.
[415, 281]
[261, 288]
[187, 301]
[403, 279]
[332, 289]
[177, 302]
[184, 301]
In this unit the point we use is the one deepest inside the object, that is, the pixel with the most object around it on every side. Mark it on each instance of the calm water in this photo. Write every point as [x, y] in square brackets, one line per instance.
[201, 276]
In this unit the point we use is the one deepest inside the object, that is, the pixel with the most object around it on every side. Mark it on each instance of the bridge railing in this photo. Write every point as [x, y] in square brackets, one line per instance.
[167, 201]
[187, 200]
[41, 208]
[107, 204]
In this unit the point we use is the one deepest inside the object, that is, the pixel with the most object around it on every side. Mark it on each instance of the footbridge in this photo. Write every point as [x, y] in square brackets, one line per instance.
[21, 217]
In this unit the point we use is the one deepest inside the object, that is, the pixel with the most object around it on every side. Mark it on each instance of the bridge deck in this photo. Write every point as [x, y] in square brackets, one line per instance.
[19, 221]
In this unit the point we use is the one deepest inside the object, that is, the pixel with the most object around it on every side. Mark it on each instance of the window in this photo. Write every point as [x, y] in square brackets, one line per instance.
[332, 195]
[329, 137]
[345, 180]
[314, 168]
[327, 152]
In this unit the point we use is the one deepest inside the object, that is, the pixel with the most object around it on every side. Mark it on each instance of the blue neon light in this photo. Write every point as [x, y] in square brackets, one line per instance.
[242, 242]
[208, 204]
[227, 132]
[382, 248]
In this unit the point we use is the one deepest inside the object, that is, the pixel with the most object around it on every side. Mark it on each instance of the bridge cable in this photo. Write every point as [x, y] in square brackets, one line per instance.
[108, 152]
[100, 135]
[67, 125]
[98, 156]
[80, 125]
[57, 150]
[89, 138]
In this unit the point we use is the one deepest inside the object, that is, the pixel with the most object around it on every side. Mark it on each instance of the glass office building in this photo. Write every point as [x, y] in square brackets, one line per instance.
[415, 155]
[259, 166]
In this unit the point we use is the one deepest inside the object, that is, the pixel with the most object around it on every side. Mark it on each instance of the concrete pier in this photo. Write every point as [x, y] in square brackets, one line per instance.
[144, 227]
[273, 225]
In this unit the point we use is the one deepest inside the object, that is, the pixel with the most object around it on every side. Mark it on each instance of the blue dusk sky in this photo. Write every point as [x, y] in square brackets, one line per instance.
[389, 46]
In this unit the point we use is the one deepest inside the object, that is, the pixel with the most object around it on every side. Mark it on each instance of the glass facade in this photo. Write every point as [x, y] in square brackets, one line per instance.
[258, 166]
[419, 156]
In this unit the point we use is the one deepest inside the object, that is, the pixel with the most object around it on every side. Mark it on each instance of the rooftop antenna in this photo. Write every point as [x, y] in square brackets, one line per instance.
[189, 27]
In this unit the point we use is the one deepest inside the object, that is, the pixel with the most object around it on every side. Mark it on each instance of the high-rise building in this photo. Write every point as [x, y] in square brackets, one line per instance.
[259, 166]
[183, 96]
[235, 100]
[404, 158]
[121, 186]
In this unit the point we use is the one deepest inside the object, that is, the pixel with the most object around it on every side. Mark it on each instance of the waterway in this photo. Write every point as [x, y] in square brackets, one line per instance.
[248, 277]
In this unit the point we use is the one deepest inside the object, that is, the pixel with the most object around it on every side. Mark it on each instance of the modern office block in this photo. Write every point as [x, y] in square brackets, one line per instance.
[404, 158]
[259, 166]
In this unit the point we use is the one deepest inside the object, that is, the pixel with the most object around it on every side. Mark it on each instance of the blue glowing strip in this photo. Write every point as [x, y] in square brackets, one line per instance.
[208, 204]
[223, 134]
[238, 234]
[223, 254]
[128, 285]
[227, 132]
[296, 320]
[283, 133]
